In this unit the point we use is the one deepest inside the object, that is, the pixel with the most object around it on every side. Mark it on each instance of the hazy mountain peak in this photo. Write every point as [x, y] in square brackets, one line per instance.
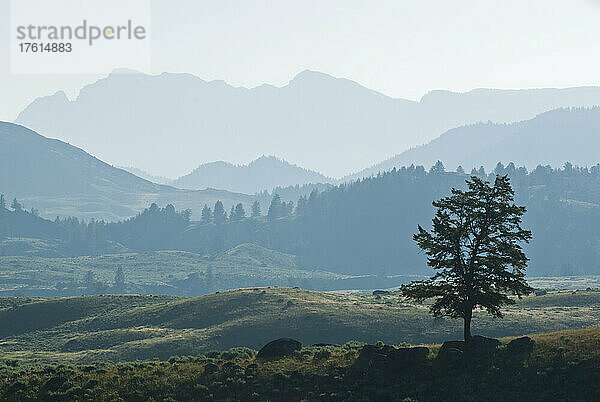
[165, 123]
[263, 173]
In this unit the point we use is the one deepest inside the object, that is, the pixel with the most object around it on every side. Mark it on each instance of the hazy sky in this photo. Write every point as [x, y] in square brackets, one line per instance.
[401, 48]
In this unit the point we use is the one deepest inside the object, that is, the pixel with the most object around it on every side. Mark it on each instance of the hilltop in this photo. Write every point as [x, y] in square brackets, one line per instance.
[264, 173]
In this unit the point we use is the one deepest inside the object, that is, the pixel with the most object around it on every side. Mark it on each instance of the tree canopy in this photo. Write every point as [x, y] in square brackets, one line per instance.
[474, 246]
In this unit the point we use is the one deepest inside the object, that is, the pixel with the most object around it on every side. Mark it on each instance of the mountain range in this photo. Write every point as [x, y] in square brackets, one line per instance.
[168, 124]
[551, 138]
[264, 173]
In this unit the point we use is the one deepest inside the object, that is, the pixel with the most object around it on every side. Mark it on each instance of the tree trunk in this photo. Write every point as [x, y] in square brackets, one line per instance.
[467, 326]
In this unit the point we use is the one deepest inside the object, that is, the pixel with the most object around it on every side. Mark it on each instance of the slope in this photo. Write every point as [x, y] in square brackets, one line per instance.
[60, 179]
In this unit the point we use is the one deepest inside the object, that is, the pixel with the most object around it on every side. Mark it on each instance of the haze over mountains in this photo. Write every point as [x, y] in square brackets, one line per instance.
[551, 138]
[168, 124]
[59, 179]
[264, 173]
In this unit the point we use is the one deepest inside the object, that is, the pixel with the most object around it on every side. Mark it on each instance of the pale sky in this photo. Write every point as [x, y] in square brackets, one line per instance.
[400, 48]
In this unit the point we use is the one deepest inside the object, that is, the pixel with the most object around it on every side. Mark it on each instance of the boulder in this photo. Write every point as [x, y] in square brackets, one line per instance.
[380, 292]
[451, 352]
[479, 348]
[386, 356]
[481, 345]
[521, 346]
[279, 348]
[450, 356]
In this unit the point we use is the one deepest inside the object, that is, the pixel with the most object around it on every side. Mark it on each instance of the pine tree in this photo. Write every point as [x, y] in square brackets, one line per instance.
[2, 202]
[219, 214]
[475, 247]
[256, 209]
[206, 215]
[277, 208]
[437, 168]
[232, 216]
[460, 170]
[240, 212]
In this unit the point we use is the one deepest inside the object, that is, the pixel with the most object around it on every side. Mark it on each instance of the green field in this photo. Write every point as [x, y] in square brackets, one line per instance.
[563, 365]
[145, 327]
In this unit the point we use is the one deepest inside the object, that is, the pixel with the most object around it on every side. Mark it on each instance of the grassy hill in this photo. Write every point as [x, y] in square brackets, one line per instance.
[161, 272]
[145, 327]
[562, 365]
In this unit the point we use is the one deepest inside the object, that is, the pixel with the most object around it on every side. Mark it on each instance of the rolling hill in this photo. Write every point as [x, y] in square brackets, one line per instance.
[551, 138]
[264, 173]
[59, 179]
[167, 124]
[145, 327]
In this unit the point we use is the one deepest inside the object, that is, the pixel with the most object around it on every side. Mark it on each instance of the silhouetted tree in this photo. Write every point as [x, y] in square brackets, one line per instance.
[240, 213]
[232, 217]
[460, 170]
[256, 209]
[206, 215]
[437, 168]
[219, 214]
[474, 246]
[2, 201]
[277, 208]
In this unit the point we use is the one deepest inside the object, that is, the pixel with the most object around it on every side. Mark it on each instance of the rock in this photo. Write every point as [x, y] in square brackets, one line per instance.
[210, 368]
[411, 356]
[479, 348]
[481, 345]
[279, 348]
[380, 292]
[460, 345]
[386, 356]
[451, 356]
[540, 292]
[451, 352]
[521, 346]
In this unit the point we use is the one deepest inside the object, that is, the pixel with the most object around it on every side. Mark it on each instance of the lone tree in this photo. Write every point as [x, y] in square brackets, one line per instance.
[475, 248]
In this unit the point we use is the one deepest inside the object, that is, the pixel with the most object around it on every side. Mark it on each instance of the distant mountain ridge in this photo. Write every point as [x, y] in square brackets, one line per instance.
[264, 173]
[551, 138]
[145, 175]
[59, 179]
[166, 123]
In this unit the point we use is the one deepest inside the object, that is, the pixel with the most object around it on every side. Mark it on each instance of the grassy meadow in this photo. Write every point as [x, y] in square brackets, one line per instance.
[116, 328]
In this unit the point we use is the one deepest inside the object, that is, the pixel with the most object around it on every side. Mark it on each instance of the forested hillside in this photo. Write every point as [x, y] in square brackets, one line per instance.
[364, 227]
